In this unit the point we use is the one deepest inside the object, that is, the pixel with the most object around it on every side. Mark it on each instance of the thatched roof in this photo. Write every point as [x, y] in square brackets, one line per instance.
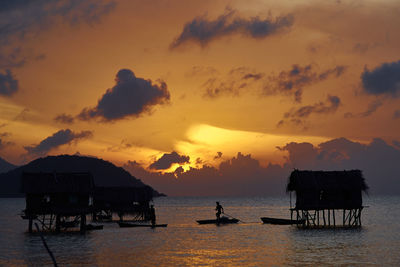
[352, 180]
[65, 182]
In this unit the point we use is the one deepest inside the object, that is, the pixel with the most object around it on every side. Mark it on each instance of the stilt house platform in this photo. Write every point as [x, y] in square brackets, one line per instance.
[327, 198]
[57, 201]
[122, 201]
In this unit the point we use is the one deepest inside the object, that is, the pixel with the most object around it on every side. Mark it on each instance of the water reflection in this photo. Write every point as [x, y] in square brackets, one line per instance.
[72, 249]
[185, 243]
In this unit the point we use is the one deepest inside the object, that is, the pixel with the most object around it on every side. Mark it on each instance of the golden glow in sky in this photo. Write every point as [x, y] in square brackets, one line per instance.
[134, 80]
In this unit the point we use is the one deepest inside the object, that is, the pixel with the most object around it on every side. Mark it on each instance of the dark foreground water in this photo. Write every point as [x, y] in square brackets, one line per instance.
[184, 243]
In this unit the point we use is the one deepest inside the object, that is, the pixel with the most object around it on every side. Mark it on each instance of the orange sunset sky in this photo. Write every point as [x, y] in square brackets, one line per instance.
[159, 85]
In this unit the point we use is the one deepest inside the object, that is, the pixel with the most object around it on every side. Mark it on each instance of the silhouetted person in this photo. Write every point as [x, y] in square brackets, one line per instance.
[152, 215]
[219, 210]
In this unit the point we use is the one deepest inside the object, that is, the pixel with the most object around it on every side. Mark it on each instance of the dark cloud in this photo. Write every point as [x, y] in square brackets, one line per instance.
[298, 116]
[8, 85]
[131, 96]
[168, 159]
[396, 114]
[125, 144]
[288, 82]
[64, 118]
[219, 155]
[11, 57]
[245, 176]
[383, 80]
[58, 139]
[23, 18]
[236, 81]
[372, 107]
[202, 31]
[292, 82]
[378, 160]
[239, 176]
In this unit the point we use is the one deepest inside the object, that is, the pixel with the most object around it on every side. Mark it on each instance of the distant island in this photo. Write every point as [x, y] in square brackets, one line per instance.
[105, 173]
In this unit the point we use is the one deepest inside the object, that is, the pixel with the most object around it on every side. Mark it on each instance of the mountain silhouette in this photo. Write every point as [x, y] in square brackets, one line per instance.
[104, 173]
[6, 166]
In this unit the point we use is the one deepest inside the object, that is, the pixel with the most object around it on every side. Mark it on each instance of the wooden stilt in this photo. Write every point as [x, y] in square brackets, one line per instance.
[30, 225]
[323, 215]
[83, 223]
[344, 217]
[58, 222]
[334, 219]
[329, 217]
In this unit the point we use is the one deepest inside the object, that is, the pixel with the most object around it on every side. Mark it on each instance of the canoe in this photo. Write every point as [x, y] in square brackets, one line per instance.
[125, 224]
[281, 221]
[223, 220]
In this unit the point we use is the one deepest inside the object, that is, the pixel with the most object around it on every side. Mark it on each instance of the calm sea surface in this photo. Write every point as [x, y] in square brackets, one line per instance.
[185, 243]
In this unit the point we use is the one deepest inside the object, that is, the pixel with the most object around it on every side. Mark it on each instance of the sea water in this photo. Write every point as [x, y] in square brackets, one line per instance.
[185, 243]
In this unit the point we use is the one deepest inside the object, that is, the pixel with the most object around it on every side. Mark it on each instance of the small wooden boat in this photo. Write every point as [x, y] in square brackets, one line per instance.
[223, 220]
[281, 221]
[94, 227]
[125, 224]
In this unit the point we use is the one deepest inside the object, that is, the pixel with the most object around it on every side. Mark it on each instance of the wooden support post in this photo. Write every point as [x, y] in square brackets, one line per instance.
[334, 219]
[58, 222]
[323, 215]
[83, 223]
[344, 217]
[318, 217]
[30, 224]
[350, 217]
[329, 218]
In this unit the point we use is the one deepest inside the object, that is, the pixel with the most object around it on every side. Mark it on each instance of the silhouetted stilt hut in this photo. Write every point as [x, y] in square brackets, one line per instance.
[57, 200]
[133, 201]
[327, 198]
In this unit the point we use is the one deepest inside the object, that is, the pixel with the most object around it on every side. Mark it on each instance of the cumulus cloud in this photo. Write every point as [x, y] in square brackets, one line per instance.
[378, 160]
[130, 97]
[239, 176]
[202, 30]
[8, 85]
[383, 80]
[292, 82]
[168, 159]
[298, 116]
[64, 118]
[243, 175]
[58, 139]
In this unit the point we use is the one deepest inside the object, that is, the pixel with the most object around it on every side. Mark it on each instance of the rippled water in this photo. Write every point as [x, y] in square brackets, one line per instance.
[185, 243]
